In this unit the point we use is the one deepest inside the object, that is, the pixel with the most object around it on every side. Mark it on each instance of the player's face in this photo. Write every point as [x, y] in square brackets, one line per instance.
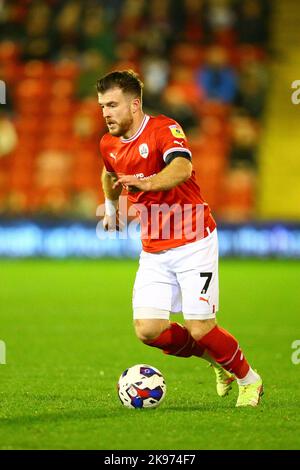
[117, 111]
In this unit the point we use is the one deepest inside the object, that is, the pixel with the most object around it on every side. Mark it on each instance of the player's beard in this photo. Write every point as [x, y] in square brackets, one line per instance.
[120, 128]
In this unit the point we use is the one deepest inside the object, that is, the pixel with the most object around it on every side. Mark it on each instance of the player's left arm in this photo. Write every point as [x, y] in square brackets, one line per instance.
[176, 172]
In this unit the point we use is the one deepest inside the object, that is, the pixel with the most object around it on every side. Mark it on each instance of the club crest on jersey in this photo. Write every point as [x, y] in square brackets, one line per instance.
[144, 150]
[177, 131]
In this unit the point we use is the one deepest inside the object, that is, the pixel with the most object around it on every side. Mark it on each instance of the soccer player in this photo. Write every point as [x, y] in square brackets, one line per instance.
[178, 270]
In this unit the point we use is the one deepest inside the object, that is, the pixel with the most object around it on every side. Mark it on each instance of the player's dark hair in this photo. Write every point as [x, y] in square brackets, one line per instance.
[127, 80]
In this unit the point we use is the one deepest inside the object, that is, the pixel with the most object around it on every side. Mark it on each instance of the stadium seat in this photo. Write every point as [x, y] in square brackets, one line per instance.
[66, 70]
[62, 89]
[187, 54]
[37, 69]
[9, 51]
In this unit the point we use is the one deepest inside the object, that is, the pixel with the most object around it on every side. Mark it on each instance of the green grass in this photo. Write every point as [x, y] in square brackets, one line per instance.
[68, 332]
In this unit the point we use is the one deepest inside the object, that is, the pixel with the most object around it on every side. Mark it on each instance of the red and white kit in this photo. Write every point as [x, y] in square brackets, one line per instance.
[179, 262]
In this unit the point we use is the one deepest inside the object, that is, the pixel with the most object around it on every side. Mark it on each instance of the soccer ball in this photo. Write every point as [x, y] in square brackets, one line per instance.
[141, 386]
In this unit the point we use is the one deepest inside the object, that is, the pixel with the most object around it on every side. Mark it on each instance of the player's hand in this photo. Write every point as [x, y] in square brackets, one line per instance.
[112, 223]
[133, 184]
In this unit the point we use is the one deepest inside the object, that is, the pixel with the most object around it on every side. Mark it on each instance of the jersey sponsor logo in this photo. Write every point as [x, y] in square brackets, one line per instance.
[177, 132]
[113, 155]
[142, 176]
[144, 150]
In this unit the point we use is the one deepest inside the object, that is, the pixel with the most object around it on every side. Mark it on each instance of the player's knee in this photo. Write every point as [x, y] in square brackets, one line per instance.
[200, 328]
[148, 330]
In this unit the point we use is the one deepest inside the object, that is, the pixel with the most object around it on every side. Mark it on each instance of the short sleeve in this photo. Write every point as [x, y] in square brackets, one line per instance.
[172, 140]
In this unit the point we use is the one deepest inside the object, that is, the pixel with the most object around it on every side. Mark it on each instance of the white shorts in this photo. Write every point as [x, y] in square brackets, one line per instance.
[182, 279]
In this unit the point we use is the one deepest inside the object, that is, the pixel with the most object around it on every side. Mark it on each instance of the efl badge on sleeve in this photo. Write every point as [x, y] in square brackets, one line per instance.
[144, 150]
[177, 131]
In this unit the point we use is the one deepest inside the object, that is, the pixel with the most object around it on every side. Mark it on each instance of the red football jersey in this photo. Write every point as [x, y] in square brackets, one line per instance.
[168, 218]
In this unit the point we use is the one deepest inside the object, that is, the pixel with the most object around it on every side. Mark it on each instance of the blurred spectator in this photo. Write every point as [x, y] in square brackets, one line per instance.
[244, 140]
[113, 10]
[252, 88]
[252, 26]
[179, 109]
[217, 78]
[130, 25]
[157, 32]
[192, 19]
[38, 37]
[219, 21]
[97, 35]
[66, 27]
[183, 82]
[93, 66]
[127, 56]
[12, 17]
[156, 73]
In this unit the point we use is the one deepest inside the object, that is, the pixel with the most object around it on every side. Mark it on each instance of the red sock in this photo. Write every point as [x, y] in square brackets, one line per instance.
[225, 350]
[177, 341]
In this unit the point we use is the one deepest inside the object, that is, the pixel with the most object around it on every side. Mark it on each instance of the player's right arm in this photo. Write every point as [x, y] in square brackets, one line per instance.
[108, 179]
[111, 217]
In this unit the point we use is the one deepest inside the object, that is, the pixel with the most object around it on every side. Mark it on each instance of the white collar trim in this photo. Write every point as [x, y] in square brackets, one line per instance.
[139, 131]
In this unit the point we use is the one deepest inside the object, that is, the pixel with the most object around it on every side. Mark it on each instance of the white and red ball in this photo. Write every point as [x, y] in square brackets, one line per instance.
[141, 386]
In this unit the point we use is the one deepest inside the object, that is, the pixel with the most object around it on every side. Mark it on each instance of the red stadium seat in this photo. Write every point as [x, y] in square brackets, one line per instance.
[32, 89]
[28, 126]
[215, 108]
[62, 89]
[66, 70]
[62, 107]
[37, 69]
[188, 54]
[238, 191]
[9, 51]
[58, 125]
[20, 180]
[85, 180]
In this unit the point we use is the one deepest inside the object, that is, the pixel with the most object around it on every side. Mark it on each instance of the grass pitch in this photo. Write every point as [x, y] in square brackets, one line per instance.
[68, 331]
